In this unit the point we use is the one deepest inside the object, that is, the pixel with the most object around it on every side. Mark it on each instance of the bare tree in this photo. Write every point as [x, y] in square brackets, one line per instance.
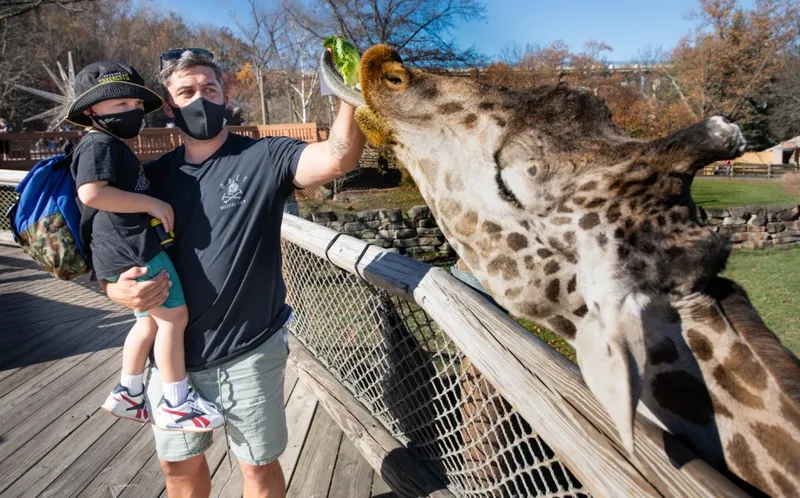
[419, 29]
[264, 31]
[13, 8]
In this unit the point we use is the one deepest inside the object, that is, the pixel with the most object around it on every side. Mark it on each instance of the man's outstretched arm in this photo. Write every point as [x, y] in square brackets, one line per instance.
[322, 162]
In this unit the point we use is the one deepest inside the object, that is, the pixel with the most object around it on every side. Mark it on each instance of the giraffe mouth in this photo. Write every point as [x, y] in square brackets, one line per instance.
[335, 83]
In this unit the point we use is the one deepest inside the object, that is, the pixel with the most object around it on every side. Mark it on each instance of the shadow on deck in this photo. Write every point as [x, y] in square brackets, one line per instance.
[60, 354]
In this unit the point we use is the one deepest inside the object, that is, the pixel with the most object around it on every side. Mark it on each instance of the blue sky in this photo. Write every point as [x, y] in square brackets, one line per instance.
[626, 25]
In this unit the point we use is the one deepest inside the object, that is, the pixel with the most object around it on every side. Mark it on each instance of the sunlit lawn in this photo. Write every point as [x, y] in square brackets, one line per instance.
[721, 192]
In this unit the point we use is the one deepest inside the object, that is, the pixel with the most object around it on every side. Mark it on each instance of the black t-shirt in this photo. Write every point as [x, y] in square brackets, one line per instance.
[119, 241]
[228, 213]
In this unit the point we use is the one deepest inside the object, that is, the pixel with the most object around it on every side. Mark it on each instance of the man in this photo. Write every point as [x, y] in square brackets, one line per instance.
[228, 193]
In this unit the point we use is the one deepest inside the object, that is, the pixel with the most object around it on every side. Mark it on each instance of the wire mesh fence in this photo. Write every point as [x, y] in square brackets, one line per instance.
[7, 198]
[398, 362]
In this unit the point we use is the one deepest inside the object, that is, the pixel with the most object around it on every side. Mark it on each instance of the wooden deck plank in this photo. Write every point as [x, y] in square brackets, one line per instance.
[35, 377]
[299, 416]
[148, 483]
[123, 468]
[317, 459]
[74, 384]
[43, 430]
[74, 463]
[352, 477]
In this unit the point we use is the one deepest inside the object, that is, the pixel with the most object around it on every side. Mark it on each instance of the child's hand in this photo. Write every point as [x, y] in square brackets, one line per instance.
[162, 211]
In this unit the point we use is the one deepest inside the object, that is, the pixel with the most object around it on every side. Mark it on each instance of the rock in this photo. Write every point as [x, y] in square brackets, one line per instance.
[369, 234]
[740, 237]
[354, 227]
[386, 234]
[733, 220]
[398, 224]
[755, 229]
[372, 225]
[370, 215]
[758, 220]
[739, 212]
[785, 215]
[446, 247]
[405, 233]
[429, 232]
[378, 242]
[429, 241]
[775, 227]
[712, 222]
[419, 212]
[347, 217]
[755, 210]
[427, 223]
[727, 231]
[715, 213]
[335, 225]
[390, 214]
[398, 243]
[323, 216]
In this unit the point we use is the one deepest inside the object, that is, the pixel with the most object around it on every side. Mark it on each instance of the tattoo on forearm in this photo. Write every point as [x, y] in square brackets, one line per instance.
[338, 146]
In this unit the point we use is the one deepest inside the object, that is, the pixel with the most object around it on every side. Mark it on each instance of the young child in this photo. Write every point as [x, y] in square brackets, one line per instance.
[116, 208]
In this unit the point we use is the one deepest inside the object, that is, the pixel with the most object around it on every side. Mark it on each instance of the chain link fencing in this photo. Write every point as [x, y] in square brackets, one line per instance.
[408, 373]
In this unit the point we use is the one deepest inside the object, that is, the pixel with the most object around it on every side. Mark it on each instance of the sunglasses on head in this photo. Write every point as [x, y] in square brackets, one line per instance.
[175, 54]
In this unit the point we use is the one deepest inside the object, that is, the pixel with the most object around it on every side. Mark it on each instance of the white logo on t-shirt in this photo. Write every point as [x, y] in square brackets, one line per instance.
[232, 194]
[142, 183]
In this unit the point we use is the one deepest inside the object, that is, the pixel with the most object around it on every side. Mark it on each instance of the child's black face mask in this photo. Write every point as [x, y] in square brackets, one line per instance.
[123, 125]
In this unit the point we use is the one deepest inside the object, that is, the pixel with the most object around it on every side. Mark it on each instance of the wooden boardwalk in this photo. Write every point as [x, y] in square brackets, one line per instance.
[60, 354]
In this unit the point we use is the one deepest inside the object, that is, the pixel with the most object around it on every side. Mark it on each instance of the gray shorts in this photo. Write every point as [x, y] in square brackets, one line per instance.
[249, 390]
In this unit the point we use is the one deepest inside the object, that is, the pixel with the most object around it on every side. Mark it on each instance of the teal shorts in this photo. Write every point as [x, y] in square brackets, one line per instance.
[161, 262]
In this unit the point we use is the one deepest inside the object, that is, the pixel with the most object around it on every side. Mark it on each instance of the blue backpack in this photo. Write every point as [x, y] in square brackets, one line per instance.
[45, 219]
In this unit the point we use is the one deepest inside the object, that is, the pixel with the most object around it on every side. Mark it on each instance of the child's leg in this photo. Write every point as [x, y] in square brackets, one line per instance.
[137, 346]
[169, 353]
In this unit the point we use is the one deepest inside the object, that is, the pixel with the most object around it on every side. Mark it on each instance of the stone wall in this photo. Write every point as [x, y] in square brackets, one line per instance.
[754, 226]
[414, 233]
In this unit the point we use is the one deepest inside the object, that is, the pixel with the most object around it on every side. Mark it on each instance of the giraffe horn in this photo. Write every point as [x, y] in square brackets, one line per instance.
[331, 78]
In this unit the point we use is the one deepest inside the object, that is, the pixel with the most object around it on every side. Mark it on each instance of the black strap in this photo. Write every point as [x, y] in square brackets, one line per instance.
[358, 260]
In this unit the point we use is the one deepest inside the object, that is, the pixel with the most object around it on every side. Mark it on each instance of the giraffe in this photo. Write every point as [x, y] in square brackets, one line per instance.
[569, 222]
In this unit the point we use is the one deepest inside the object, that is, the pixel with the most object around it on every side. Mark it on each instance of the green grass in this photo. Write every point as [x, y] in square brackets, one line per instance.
[401, 197]
[770, 277]
[720, 193]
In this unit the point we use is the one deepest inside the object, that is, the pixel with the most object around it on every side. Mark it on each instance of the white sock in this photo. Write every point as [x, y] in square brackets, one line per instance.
[133, 383]
[176, 393]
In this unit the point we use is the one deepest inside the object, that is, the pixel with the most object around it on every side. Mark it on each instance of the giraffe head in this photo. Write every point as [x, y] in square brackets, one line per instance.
[568, 222]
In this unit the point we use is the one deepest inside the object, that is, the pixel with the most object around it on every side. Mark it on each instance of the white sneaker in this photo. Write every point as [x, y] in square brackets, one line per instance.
[194, 415]
[121, 403]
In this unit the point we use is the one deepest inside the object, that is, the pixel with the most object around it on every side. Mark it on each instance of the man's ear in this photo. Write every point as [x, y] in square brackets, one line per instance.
[168, 110]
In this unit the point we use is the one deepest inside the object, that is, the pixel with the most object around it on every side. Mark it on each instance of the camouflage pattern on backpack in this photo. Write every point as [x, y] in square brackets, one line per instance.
[51, 244]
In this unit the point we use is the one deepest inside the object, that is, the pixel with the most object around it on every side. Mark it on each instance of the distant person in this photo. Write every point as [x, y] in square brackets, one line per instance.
[5, 145]
[728, 168]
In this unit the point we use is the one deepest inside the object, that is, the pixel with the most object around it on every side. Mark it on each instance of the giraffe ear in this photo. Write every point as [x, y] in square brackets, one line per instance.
[611, 355]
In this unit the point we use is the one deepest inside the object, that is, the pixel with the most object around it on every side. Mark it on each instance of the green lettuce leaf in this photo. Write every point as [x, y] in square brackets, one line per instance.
[345, 57]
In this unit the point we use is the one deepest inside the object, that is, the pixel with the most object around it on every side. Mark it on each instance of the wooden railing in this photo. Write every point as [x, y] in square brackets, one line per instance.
[544, 388]
[20, 151]
[750, 170]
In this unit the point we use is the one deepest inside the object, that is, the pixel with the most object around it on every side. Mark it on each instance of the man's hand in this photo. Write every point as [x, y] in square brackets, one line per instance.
[139, 296]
